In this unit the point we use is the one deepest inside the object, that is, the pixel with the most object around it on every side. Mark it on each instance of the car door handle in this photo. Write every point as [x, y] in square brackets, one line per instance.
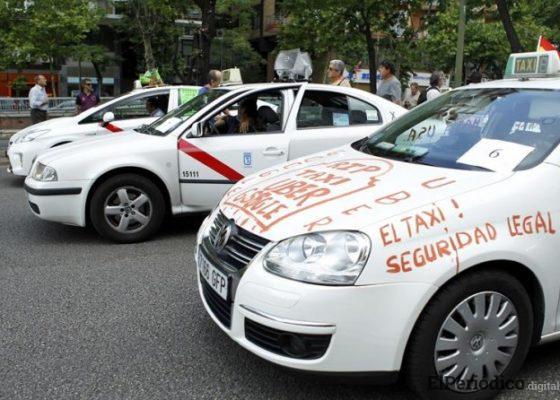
[272, 151]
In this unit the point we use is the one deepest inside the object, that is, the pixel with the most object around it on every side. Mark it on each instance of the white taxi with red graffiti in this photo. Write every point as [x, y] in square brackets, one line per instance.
[184, 162]
[128, 111]
[429, 248]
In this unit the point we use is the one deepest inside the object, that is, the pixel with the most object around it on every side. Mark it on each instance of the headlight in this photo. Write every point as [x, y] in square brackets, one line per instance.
[44, 173]
[32, 135]
[328, 258]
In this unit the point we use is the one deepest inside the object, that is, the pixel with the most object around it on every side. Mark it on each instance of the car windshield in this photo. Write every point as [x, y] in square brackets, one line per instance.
[174, 118]
[500, 129]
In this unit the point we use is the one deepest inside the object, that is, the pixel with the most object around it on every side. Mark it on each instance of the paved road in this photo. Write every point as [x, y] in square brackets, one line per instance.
[81, 318]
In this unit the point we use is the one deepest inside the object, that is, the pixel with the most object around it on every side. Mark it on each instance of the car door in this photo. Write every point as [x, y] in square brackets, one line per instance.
[326, 119]
[130, 112]
[209, 165]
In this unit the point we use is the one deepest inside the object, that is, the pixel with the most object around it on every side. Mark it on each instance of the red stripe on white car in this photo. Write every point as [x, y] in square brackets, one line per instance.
[208, 160]
[113, 128]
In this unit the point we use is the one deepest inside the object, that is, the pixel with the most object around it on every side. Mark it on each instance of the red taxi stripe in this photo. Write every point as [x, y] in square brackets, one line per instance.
[208, 160]
[113, 128]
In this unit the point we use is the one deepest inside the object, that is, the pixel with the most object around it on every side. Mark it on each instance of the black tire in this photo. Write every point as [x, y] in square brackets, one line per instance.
[105, 226]
[419, 364]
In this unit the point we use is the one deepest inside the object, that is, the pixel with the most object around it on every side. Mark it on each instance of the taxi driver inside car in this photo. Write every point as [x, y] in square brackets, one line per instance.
[431, 225]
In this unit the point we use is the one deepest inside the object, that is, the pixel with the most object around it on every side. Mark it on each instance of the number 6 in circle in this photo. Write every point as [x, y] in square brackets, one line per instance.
[495, 153]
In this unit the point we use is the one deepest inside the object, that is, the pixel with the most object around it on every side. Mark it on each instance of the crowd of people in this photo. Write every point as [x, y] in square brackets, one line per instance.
[389, 87]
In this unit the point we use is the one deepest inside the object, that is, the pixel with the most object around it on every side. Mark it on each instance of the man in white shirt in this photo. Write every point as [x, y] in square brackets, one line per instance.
[38, 100]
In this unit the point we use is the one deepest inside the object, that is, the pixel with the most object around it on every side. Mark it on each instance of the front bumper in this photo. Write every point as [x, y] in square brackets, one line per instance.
[59, 201]
[367, 326]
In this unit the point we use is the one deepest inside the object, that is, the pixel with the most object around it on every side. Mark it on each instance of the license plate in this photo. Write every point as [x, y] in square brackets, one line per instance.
[216, 279]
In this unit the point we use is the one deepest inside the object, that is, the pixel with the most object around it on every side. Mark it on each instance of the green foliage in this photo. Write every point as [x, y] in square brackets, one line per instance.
[45, 29]
[19, 85]
[486, 44]
[329, 28]
[231, 47]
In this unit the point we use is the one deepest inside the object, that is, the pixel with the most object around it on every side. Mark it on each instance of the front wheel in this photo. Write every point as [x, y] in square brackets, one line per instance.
[471, 338]
[127, 208]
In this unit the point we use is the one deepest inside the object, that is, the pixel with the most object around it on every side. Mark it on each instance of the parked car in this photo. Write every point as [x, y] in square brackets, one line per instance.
[184, 162]
[428, 249]
[125, 112]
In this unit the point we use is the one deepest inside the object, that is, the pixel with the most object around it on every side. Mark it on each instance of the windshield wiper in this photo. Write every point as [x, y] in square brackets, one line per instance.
[148, 130]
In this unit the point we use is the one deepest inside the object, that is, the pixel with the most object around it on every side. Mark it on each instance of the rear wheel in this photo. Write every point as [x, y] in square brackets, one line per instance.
[127, 208]
[471, 338]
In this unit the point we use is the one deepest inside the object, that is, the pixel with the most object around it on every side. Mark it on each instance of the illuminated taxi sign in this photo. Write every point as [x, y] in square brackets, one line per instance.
[531, 65]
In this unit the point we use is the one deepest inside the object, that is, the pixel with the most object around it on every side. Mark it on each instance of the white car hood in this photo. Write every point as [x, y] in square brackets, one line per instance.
[82, 150]
[341, 189]
[48, 124]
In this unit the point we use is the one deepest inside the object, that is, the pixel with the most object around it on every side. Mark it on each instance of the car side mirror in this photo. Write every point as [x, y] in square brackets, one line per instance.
[196, 130]
[108, 117]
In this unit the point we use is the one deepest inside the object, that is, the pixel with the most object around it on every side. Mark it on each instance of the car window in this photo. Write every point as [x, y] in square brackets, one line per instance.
[133, 107]
[256, 113]
[323, 109]
[362, 113]
[142, 107]
[499, 129]
[176, 117]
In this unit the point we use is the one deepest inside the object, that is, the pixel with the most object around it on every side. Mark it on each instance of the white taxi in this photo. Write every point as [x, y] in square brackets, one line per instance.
[128, 111]
[184, 162]
[428, 248]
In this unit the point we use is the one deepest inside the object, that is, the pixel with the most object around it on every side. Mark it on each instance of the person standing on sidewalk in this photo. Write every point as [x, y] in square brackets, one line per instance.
[39, 100]
[86, 99]
[336, 73]
[390, 86]
[214, 80]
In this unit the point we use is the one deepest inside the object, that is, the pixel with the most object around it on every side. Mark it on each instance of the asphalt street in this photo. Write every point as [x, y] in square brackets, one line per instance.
[82, 318]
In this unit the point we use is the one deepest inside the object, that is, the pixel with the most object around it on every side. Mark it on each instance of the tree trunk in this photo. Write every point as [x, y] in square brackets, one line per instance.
[99, 75]
[207, 33]
[508, 27]
[148, 52]
[51, 68]
[370, 44]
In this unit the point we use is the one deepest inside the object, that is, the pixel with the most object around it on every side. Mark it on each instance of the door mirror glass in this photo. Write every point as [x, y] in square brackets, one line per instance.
[196, 130]
[108, 117]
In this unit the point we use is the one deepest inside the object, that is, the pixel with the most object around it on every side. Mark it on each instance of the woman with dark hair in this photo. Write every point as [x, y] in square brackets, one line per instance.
[246, 121]
[248, 116]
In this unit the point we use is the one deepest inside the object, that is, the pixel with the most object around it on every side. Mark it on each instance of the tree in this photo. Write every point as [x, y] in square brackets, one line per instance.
[48, 30]
[337, 24]
[318, 31]
[511, 34]
[486, 44]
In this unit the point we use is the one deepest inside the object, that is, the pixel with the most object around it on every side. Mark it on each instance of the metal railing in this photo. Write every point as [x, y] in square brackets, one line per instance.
[57, 105]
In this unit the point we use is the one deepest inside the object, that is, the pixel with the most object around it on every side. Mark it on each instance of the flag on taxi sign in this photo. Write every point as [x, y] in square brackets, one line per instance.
[545, 45]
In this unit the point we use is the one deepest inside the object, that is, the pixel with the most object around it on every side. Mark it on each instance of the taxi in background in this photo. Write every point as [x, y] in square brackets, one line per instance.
[428, 249]
[128, 111]
[125, 184]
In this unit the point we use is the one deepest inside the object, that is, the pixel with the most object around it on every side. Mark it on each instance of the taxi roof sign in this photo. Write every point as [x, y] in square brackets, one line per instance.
[537, 64]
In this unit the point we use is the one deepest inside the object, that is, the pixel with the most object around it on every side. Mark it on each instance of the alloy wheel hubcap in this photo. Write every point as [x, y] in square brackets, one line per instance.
[476, 341]
[128, 209]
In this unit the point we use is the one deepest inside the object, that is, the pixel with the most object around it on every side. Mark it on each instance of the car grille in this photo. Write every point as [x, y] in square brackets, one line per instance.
[220, 307]
[289, 344]
[241, 247]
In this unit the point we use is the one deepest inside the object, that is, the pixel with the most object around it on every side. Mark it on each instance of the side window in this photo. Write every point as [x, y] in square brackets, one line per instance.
[256, 113]
[133, 107]
[362, 113]
[142, 107]
[323, 109]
